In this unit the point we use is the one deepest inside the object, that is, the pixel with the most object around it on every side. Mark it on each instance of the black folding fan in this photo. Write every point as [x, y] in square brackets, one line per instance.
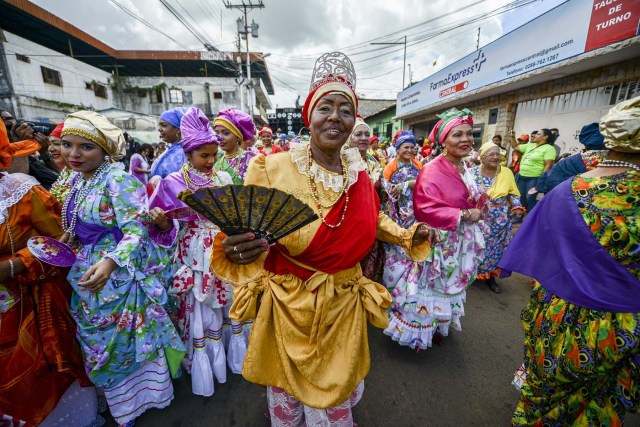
[269, 213]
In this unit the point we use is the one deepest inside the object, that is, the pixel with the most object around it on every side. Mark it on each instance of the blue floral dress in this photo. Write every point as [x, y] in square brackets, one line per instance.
[500, 226]
[128, 341]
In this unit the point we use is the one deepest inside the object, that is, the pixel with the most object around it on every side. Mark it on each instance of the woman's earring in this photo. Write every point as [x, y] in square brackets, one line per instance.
[444, 152]
[107, 158]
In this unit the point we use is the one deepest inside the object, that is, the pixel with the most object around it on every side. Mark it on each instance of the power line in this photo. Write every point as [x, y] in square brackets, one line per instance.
[148, 24]
[188, 25]
[195, 22]
[366, 42]
[426, 34]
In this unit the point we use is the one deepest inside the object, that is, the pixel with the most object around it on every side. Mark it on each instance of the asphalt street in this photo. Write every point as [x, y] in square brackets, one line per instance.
[466, 381]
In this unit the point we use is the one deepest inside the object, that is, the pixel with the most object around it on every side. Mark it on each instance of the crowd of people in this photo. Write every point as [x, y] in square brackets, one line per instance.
[151, 296]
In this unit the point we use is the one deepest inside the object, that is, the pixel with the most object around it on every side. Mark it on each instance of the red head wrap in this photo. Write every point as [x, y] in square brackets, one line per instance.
[448, 120]
[57, 131]
[333, 84]
[265, 129]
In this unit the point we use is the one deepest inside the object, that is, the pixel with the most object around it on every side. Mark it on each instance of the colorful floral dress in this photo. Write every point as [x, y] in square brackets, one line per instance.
[430, 296]
[582, 364]
[399, 270]
[500, 226]
[202, 298]
[128, 341]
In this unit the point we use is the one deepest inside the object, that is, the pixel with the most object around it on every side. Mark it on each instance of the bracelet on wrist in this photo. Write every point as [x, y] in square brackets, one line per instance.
[12, 268]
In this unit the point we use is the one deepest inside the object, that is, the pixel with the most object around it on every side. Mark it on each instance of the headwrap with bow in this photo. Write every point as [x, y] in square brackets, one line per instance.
[448, 120]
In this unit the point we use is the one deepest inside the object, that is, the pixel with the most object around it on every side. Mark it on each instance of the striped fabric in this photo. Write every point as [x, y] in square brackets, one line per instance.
[149, 387]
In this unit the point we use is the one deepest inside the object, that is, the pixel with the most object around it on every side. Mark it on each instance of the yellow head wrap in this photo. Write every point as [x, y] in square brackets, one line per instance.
[621, 127]
[359, 121]
[227, 124]
[504, 184]
[96, 128]
[486, 147]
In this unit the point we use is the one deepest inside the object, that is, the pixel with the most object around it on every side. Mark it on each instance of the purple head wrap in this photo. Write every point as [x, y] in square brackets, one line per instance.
[238, 122]
[196, 130]
[173, 116]
[406, 136]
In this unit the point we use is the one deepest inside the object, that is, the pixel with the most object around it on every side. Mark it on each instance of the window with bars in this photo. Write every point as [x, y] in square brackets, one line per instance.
[100, 90]
[493, 116]
[51, 77]
[389, 130]
[156, 96]
[175, 96]
[623, 92]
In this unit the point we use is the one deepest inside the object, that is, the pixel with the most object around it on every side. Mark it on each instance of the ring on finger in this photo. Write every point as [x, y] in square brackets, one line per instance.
[235, 249]
[240, 255]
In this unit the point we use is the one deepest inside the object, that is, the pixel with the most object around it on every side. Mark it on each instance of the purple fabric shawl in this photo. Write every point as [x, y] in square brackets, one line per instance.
[90, 234]
[566, 258]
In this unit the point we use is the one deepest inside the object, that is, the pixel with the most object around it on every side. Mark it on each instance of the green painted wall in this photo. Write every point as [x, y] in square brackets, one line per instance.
[383, 124]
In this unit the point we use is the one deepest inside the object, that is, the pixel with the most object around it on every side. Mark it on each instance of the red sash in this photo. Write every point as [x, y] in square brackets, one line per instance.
[335, 249]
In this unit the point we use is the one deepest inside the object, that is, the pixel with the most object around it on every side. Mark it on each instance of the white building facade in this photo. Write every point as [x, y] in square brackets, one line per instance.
[45, 85]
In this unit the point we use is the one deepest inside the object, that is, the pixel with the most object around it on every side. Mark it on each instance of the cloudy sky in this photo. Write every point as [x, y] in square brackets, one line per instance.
[296, 32]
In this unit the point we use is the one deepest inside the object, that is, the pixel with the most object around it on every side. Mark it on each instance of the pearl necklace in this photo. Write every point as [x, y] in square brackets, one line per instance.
[610, 163]
[316, 197]
[80, 190]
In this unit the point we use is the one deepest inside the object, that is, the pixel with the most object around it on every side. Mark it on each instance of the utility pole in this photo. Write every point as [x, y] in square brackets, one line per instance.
[243, 30]
[404, 63]
[240, 79]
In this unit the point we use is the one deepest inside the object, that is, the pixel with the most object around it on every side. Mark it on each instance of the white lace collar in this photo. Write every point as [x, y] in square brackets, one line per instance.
[12, 188]
[329, 180]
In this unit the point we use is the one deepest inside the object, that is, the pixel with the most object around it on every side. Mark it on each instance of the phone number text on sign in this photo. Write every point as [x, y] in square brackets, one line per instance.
[539, 62]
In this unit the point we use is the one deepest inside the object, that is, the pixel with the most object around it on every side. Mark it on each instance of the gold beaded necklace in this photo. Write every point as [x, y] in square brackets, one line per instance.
[238, 153]
[192, 184]
[209, 180]
[316, 196]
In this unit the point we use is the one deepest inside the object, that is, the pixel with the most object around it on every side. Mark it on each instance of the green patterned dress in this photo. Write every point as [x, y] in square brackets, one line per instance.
[583, 364]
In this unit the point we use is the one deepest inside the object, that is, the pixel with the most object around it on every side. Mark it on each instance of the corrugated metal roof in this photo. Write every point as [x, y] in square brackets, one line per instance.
[29, 21]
